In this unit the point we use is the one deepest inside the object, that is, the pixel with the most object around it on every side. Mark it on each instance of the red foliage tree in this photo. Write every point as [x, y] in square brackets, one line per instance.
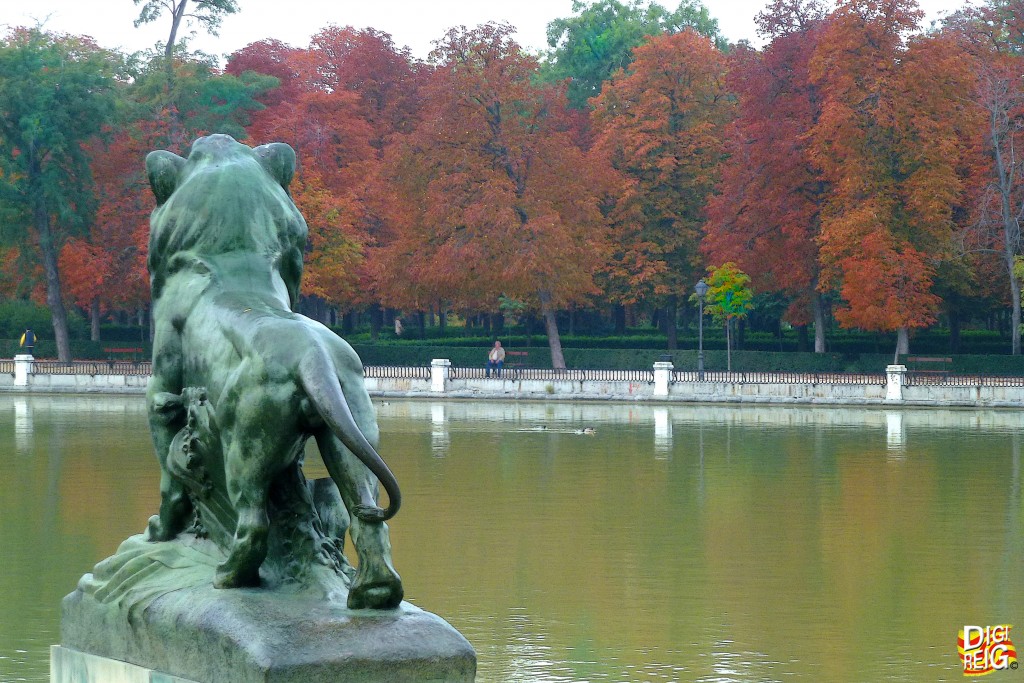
[339, 104]
[765, 215]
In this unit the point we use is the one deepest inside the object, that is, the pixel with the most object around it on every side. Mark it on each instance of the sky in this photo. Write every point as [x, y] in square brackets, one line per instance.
[412, 23]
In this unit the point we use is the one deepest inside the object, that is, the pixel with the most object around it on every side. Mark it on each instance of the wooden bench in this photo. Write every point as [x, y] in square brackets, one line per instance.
[514, 362]
[916, 361]
[516, 359]
[133, 351]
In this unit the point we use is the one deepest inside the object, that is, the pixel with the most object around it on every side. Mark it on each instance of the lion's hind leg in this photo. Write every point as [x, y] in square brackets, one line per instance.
[377, 585]
[248, 482]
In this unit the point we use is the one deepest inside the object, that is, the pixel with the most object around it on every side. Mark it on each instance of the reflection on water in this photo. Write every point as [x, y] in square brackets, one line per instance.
[603, 542]
[895, 438]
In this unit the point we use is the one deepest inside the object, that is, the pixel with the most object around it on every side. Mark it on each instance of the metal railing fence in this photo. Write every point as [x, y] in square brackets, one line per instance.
[549, 374]
[948, 380]
[749, 377]
[91, 367]
[396, 372]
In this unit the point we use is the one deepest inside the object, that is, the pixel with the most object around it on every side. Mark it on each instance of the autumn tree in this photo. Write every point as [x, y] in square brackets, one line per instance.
[993, 39]
[492, 197]
[598, 41]
[765, 215]
[56, 92]
[660, 124]
[105, 269]
[343, 100]
[385, 78]
[887, 143]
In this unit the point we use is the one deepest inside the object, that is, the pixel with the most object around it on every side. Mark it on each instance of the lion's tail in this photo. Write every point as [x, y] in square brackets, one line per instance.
[321, 384]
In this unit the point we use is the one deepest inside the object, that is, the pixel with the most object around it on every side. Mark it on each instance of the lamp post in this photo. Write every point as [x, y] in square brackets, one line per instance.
[702, 291]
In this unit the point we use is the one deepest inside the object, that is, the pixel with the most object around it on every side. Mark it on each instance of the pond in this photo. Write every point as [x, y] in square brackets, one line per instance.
[602, 542]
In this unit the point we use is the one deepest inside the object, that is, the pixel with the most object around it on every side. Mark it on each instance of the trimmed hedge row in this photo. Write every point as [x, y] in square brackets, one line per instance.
[80, 349]
[403, 354]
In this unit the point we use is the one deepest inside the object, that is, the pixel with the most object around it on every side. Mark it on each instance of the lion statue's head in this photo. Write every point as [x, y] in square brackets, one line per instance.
[226, 197]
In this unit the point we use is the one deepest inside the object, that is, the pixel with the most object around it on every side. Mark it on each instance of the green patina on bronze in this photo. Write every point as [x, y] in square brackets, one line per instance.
[240, 384]
[241, 381]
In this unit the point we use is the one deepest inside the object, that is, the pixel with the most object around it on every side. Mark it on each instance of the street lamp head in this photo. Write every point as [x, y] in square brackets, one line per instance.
[702, 289]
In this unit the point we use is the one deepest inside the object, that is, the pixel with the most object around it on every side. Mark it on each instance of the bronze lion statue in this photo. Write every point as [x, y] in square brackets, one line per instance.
[241, 382]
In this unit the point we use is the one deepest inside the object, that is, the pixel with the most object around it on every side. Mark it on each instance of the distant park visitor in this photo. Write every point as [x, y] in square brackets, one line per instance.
[28, 340]
[495, 359]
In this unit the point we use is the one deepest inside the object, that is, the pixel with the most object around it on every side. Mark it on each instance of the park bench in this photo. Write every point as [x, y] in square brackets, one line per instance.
[516, 359]
[930, 365]
[131, 353]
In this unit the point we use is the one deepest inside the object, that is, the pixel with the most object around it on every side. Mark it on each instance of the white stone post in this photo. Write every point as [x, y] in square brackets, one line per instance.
[439, 370]
[22, 369]
[894, 375]
[662, 377]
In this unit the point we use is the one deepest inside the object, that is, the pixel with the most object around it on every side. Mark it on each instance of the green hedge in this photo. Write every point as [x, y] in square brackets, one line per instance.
[411, 353]
[80, 349]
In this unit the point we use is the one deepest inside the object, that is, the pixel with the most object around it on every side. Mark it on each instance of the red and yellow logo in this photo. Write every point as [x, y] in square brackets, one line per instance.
[984, 649]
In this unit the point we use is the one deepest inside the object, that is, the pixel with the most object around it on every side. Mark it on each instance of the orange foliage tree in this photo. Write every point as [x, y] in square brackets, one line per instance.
[660, 124]
[491, 196]
[887, 142]
[765, 214]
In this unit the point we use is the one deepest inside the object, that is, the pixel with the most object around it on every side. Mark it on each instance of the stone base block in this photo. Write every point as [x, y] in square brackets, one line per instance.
[204, 635]
[72, 666]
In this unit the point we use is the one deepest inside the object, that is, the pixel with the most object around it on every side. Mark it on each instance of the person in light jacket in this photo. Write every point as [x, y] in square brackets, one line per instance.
[495, 359]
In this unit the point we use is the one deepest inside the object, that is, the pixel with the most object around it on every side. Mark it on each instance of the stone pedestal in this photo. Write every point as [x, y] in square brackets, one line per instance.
[440, 368]
[662, 378]
[160, 613]
[894, 381]
[22, 369]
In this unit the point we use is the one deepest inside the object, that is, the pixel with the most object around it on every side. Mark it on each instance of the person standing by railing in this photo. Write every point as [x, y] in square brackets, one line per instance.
[28, 341]
[495, 359]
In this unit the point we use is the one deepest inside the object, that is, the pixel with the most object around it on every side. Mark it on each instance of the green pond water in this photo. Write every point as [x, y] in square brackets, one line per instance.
[675, 543]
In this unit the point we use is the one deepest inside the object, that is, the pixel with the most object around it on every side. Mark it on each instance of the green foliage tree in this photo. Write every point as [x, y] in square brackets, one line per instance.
[729, 298]
[56, 93]
[598, 41]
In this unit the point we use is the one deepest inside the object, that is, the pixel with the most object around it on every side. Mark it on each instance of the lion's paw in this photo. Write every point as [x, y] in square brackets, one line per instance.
[381, 595]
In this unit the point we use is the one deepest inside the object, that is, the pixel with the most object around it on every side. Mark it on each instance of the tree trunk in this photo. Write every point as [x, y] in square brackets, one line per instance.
[376, 320]
[421, 324]
[551, 326]
[670, 323]
[442, 317]
[728, 345]
[801, 338]
[1011, 228]
[902, 342]
[819, 322]
[94, 319]
[54, 299]
[954, 330]
[619, 318]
